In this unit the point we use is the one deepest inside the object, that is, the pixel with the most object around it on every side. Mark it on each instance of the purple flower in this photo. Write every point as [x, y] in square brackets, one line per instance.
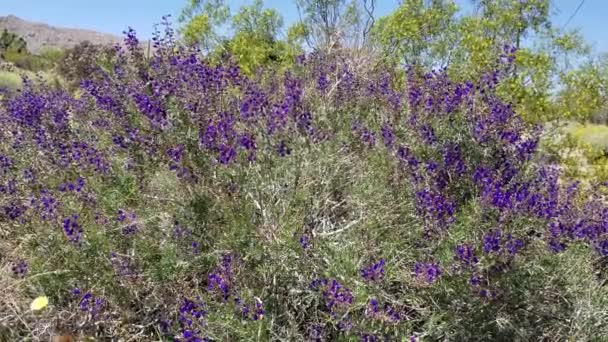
[427, 272]
[513, 245]
[368, 137]
[47, 205]
[372, 308]
[428, 134]
[282, 149]
[557, 246]
[374, 272]
[387, 313]
[130, 226]
[89, 303]
[19, 268]
[466, 255]
[492, 242]
[388, 137]
[175, 153]
[191, 318]
[405, 155]
[337, 297]
[304, 241]
[259, 310]
[72, 229]
[227, 155]
[322, 82]
[221, 281]
[434, 205]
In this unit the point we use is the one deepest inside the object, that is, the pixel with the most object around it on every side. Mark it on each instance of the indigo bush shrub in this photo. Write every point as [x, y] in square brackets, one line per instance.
[173, 198]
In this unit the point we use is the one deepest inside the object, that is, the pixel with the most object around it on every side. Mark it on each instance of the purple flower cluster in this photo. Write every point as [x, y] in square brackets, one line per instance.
[466, 255]
[364, 134]
[47, 205]
[72, 229]
[388, 135]
[221, 281]
[386, 313]
[19, 268]
[77, 186]
[337, 297]
[14, 211]
[5, 163]
[304, 241]
[374, 272]
[191, 319]
[426, 272]
[89, 303]
[493, 242]
[129, 222]
[435, 206]
[254, 312]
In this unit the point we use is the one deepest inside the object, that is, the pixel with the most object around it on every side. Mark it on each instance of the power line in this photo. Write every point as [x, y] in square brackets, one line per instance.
[573, 14]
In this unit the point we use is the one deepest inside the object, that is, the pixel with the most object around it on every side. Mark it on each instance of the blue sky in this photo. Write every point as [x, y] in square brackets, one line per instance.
[113, 16]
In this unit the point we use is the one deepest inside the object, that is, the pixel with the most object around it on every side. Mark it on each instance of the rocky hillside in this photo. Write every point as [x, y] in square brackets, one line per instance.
[40, 35]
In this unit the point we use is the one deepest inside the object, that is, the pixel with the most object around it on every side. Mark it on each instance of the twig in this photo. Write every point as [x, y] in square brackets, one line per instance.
[338, 231]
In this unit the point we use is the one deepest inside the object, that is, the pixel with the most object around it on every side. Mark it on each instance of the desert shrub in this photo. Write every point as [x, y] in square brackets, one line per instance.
[27, 61]
[9, 81]
[175, 198]
[53, 55]
[82, 61]
[13, 49]
[10, 41]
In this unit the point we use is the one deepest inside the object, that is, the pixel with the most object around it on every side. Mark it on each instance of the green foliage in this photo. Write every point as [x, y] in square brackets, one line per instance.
[27, 61]
[13, 49]
[52, 55]
[330, 23]
[418, 31]
[513, 20]
[257, 21]
[197, 29]
[12, 42]
[9, 80]
[581, 149]
[596, 136]
[201, 20]
[255, 41]
[499, 23]
[530, 86]
[433, 34]
[584, 91]
[255, 34]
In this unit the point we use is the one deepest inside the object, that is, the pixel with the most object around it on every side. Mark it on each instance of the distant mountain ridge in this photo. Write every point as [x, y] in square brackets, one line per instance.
[40, 36]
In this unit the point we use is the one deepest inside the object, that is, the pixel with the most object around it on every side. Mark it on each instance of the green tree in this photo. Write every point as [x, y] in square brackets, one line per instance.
[201, 20]
[434, 33]
[255, 41]
[333, 23]
[418, 31]
[584, 92]
[12, 42]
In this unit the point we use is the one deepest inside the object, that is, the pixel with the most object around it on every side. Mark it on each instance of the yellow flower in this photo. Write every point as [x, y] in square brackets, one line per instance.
[39, 303]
